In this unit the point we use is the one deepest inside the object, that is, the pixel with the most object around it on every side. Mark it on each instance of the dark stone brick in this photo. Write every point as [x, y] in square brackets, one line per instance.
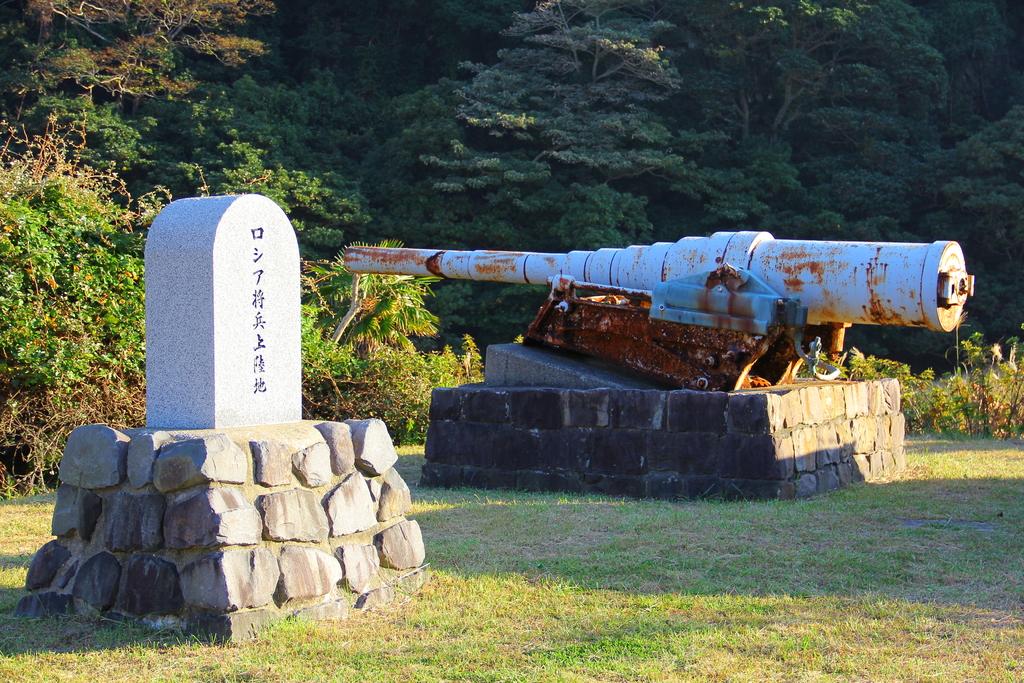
[701, 487]
[753, 456]
[664, 485]
[476, 477]
[534, 480]
[828, 479]
[748, 489]
[564, 448]
[536, 408]
[440, 475]
[748, 413]
[612, 485]
[98, 580]
[45, 564]
[485, 405]
[696, 411]
[618, 451]
[637, 409]
[510, 449]
[465, 443]
[567, 481]
[149, 585]
[587, 408]
[135, 522]
[446, 403]
[234, 627]
[684, 452]
[44, 605]
[806, 485]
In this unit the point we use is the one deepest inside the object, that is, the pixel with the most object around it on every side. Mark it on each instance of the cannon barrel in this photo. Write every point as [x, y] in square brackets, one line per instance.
[874, 283]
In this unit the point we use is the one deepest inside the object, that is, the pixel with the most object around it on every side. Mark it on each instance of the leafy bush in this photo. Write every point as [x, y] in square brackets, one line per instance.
[71, 303]
[984, 397]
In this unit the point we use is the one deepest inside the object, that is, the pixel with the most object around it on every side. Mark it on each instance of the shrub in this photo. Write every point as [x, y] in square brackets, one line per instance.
[71, 304]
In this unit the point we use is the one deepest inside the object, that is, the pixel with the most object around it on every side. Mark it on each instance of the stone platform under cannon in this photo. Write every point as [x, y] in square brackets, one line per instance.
[785, 442]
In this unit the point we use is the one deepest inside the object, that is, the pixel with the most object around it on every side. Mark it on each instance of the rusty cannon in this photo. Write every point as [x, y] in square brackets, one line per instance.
[724, 312]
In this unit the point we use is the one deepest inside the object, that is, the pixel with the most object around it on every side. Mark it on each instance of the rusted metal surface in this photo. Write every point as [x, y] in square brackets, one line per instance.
[615, 326]
[742, 325]
[875, 283]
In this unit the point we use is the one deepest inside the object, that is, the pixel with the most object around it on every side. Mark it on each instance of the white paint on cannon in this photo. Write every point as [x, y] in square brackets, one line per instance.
[874, 283]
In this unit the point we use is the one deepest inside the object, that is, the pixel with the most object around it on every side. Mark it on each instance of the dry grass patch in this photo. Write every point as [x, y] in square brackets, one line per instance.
[573, 588]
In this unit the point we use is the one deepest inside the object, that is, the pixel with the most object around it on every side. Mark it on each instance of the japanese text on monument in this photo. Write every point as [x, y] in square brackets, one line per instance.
[259, 323]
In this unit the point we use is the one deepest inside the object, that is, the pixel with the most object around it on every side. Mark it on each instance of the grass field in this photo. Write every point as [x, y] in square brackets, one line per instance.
[921, 578]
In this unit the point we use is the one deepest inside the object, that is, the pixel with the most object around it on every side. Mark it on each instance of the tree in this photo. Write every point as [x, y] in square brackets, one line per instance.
[131, 48]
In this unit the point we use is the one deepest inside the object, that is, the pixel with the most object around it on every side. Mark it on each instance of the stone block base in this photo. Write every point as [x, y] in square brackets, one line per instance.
[784, 442]
[219, 532]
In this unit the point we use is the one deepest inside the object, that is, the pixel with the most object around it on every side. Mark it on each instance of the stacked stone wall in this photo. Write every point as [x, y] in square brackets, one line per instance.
[783, 442]
[218, 532]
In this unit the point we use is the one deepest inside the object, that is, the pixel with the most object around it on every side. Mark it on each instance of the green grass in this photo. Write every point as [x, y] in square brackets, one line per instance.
[555, 587]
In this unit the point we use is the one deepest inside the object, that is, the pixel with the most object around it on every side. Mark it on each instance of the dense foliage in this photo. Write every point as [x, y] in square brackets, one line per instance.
[529, 124]
[557, 124]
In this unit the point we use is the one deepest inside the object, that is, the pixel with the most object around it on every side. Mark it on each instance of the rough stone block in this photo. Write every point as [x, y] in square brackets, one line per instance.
[567, 448]
[856, 396]
[485, 405]
[294, 515]
[865, 431]
[374, 450]
[813, 404]
[788, 411]
[883, 433]
[45, 564]
[508, 447]
[213, 458]
[897, 431]
[234, 627]
[828, 479]
[445, 404]
[828, 450]
[142, 454]
[753, 456]
[149, 585]
[586, 408]
[231, 580]
[696, 411]
[349, 507]
[400, 546]
[376, 598]
[94, 457]
[618, 451]
[313, 465]
[395, 497]
[684, 452]
[97, 581]
[76, 510]
[272, 463]
[331, 610]
[212, 517]
[637, 409]
[536, 408]
[134, 521]
[463, 443]
[664, 485]
[306, 573]
[436, 474]
[360, 566]
[862, 466]
[805, 448]
[754, 413]
[806, 485]
[49, 604]
[758, 489]
[876, 399]
[338, 437]
[891, 395]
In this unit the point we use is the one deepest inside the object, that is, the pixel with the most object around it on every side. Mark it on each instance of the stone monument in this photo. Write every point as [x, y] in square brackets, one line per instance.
[227, 511]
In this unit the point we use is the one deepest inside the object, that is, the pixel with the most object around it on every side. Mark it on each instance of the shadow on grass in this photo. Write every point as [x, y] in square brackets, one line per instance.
[841, 548]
